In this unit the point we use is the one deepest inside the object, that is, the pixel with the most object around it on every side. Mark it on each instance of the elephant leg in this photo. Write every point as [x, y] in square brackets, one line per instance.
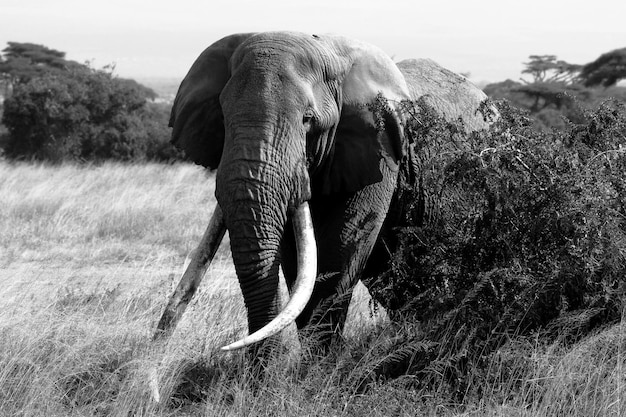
[346, 230]
[403, 206]
[377, 264]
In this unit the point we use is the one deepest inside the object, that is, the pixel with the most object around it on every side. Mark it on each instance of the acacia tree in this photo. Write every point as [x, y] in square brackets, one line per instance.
[549, 69]
[606, 71]
[19, 62]
[554, 82]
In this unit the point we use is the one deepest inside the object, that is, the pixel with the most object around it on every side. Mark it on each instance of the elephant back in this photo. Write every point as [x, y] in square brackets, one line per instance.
[424, 197]
[452, 95]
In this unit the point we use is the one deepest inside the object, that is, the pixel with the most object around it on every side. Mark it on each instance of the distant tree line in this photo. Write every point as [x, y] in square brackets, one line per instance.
[558, 92]
[58, 110]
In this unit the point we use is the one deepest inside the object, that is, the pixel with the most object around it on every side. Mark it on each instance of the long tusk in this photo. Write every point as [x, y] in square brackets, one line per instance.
[305, 281]
[193, 275]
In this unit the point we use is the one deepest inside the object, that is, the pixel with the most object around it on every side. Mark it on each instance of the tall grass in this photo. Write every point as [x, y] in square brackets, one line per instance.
[81, 214]
[88, 256]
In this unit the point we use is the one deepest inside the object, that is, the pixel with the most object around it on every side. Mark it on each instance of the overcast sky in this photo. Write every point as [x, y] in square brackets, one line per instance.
[490, 39]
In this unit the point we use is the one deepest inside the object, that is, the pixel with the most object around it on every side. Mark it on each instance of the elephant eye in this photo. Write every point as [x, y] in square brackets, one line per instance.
[307, 120]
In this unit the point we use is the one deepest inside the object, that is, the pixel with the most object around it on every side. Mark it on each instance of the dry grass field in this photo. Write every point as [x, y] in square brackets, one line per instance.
[88, 257]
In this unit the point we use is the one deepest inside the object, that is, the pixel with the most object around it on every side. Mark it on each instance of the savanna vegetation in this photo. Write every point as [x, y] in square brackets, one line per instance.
[59, 110]
[556, 92]
[513, 234]
[504, 297]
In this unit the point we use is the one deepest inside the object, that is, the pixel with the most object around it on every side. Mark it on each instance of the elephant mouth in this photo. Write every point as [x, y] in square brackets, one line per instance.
[303, 287]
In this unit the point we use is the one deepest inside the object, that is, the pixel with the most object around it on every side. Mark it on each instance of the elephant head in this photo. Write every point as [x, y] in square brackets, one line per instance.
[284, 119]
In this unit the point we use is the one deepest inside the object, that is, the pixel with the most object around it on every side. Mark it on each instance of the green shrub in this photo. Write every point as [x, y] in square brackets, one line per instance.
[85, 114]
[514, 231]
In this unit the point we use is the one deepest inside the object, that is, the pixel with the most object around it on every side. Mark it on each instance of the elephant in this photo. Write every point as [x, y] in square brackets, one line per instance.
[307, 175]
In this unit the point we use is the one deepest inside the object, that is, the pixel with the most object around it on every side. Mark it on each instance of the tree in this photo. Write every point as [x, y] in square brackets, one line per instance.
[38, 54]
[22, 61]
[43, 117]
[554, 90]
[607, 70]
[547, 69]
[559, 92]
[64, 110]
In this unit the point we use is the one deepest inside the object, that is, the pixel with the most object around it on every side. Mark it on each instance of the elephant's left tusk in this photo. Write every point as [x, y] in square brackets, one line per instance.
[305, 281]
[193, 275]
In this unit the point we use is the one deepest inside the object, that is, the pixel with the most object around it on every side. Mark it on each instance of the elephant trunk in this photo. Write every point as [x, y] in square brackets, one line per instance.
[305, 281]
[258, 188]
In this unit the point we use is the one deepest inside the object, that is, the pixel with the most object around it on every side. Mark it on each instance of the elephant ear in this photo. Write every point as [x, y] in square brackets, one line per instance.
[370, 130]
[196, 117]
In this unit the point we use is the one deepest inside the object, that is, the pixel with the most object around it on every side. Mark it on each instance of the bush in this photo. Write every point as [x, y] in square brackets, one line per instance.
[513, 231]
[85, 114]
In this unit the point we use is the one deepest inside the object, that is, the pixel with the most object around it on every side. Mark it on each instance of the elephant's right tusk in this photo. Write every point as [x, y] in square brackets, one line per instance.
[305, 281]
[193, 275]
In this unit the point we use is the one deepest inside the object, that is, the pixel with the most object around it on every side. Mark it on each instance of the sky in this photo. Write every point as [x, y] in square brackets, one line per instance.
[489, 39]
